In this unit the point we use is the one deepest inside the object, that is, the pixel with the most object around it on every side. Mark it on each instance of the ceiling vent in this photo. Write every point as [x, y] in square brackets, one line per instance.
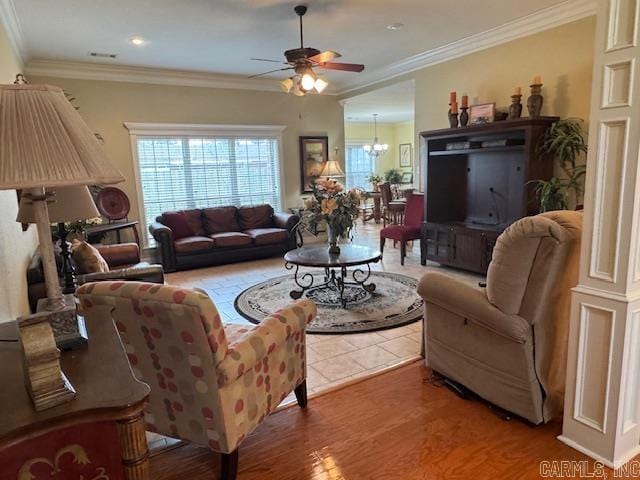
[102, 55]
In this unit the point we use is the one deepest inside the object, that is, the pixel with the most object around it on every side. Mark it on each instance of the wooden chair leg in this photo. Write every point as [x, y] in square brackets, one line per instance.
[301, 394]
[403, 251]
[229, 467]
[382, 240]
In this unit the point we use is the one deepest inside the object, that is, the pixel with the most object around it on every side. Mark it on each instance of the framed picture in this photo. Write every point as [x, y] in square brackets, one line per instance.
[314, 153]
[405, 155]
[479, 114]
[407, 177]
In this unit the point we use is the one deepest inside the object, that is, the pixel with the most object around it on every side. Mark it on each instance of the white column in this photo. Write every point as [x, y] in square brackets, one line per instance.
[602, 414]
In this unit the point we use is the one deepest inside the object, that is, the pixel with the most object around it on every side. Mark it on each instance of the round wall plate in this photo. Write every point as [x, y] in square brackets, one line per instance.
[113, 203]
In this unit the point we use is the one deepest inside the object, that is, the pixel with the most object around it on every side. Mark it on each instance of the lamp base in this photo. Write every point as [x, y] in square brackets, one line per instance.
[68, 327]
[44, 379]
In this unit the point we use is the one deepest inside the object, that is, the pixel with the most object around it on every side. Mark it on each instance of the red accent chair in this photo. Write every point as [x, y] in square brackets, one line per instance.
[410, 228]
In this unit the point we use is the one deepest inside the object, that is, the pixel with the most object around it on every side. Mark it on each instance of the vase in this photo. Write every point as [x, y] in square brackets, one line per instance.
[332, 237]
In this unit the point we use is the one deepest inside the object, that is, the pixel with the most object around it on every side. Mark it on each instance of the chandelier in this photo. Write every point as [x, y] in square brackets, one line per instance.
[304, 81]
[376, 149]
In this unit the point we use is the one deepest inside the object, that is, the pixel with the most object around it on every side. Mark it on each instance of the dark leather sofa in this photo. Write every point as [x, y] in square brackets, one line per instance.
[124, 264]
[213, 236]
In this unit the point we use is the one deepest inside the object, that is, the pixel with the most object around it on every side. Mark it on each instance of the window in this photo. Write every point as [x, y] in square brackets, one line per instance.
[182, 169]
[358, 165]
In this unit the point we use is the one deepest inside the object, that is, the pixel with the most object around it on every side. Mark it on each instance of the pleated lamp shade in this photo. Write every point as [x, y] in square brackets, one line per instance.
[332, 169]
[67, 204]
[45, 143]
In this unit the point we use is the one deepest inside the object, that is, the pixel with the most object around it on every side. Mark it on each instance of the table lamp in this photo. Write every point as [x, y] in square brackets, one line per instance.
[69, 204]
[45, 144]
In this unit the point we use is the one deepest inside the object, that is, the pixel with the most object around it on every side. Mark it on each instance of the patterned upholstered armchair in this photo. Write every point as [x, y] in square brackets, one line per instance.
[210, 384]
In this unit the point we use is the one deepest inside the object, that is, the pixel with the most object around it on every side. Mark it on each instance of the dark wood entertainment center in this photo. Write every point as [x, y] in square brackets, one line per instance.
[475, 183]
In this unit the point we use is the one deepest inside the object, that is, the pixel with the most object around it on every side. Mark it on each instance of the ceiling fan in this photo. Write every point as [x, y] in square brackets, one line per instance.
[303, 60]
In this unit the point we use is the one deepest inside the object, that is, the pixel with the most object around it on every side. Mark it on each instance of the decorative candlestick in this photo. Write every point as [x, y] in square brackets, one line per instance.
[464, 106]
[464, 116]
[515, 109]
[535, 101]
[453, 114]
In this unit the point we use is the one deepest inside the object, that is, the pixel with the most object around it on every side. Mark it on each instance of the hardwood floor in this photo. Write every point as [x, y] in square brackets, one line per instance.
[396, 426]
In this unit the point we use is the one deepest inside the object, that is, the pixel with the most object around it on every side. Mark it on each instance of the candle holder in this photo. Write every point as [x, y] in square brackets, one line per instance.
[535, 101]
[453, 120]
[464, 116]
[515, 109]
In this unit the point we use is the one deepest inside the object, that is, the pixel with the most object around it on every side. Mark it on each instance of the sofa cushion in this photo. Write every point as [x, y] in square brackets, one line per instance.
[260, 216]
[88, 258]
[267, 236]
[221, 219]
[177, 222]
[231, 239]
[193, 244]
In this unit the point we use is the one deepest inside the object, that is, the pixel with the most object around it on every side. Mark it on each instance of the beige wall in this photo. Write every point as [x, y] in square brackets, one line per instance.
[106, 105]
[562, 55]
[16, 246]
[392, 134]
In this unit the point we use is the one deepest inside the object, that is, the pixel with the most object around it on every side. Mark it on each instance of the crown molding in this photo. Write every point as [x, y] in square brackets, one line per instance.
[157, 76]
[555, 16]
[565, 12]
[9, 19]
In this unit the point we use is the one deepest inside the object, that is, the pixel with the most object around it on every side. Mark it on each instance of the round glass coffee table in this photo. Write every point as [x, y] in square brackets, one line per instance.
[333, 288]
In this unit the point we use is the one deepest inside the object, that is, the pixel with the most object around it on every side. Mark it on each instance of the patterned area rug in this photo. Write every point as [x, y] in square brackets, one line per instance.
[393, 303]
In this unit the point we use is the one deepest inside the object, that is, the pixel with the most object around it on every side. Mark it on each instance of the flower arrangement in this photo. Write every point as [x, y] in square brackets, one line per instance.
[331, 204]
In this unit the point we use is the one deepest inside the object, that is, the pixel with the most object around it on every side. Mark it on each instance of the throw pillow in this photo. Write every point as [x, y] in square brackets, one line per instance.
[88, 258]
[177, 222]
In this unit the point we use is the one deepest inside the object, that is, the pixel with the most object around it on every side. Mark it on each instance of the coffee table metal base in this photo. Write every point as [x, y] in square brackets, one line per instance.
[335, 279]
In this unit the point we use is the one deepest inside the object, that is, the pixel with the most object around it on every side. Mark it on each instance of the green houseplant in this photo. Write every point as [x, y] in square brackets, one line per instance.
[565, 142]
[393, 176]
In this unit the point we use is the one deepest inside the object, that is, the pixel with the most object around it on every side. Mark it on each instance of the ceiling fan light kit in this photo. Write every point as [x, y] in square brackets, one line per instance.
[303, 60]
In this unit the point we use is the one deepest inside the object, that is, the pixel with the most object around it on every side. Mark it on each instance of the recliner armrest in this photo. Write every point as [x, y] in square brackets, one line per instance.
[285, 220]
[471, 303]
[147, 273]
[120, 254]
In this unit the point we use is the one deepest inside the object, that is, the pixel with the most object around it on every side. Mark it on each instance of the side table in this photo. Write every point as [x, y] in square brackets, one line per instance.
[100, 434]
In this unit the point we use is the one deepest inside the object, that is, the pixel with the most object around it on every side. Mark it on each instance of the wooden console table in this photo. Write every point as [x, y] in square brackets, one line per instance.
[98, 435]
[103, 228]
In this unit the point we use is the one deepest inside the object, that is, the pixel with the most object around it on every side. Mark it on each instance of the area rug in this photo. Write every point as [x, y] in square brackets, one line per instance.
[393, 303]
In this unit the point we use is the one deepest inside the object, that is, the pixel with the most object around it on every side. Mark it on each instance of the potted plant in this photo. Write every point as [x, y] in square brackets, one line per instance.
[375, 180]
[393, 176]
[565, 142]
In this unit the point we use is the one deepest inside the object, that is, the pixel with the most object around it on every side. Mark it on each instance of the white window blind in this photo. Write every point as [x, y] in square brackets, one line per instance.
[183, 172]
[358, 165]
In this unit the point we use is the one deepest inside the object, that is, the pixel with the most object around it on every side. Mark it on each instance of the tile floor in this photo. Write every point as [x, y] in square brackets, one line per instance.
[331, 359]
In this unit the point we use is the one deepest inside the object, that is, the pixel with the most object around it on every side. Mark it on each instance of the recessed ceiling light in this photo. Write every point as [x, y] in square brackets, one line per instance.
[137, 41]
[395, 26]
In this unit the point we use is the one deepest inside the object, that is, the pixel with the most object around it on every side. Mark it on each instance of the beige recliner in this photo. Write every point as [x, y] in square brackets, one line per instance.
[508, 342]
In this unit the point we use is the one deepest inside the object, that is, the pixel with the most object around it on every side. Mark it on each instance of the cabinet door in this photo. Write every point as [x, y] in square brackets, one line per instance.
[488, 242]
[466, 249]
[437, 242]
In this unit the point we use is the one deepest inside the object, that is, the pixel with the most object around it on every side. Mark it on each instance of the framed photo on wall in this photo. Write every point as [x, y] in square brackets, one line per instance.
[405, 155]
[314, 153]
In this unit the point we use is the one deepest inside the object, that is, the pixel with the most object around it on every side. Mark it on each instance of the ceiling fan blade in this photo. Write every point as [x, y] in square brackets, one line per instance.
[347, 67]
[324, 57]
[270, 71]
[267, 60]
